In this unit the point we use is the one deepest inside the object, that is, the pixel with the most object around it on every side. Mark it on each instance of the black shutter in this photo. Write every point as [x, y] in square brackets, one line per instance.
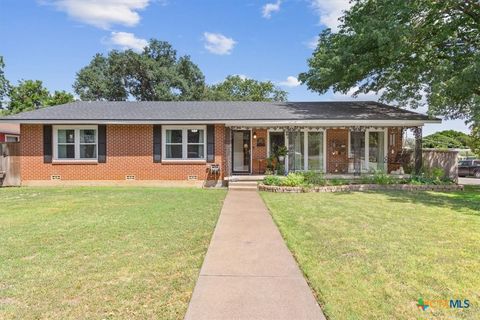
[102, 143]
[47, 143]
[157, 143]
[210, 143]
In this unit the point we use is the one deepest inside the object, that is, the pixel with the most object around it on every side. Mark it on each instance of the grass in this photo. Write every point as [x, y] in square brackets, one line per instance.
[102, 253]
[373, 255]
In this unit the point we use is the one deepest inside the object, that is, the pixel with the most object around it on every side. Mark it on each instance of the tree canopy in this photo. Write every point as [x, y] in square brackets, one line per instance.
[447, 139]
[154, 74]
[30, 94]
[4, 84]
[157, 74]
[236, 88]
[475, 140]
[410, 52]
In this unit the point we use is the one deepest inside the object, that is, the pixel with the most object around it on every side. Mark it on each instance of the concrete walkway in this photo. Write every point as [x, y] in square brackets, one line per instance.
[248, 272]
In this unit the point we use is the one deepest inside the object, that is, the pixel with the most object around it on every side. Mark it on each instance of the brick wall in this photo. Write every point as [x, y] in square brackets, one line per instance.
[395, 148]
[129, 152]
[337, 150]
[259, 153]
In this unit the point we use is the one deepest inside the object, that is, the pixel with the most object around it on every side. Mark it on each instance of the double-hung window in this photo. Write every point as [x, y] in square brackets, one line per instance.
[75, 143]
[184, 143]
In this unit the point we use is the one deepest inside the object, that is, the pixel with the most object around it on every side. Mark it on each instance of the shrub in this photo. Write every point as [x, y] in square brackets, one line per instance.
[337, 182]
[314, 178]
[437, 173]
[293, 180]
[380, 177]
[366, 180]
[272, 181]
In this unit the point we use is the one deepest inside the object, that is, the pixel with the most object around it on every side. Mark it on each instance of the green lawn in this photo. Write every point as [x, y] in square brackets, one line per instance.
[102, 253]
[373, 255]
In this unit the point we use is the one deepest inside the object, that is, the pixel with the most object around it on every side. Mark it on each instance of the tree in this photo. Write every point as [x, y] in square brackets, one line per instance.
[447, 139]
[4, 84]
[59, 97]
[411, 52]
[30, 95]
[236, 88]
[154, 74]
[474, 142]
[102, 79]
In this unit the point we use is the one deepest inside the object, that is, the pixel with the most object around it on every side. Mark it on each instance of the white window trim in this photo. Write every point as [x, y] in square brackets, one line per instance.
[76, 143]
[12, 136]
[184, 143]
[305, 146]
[367, 149]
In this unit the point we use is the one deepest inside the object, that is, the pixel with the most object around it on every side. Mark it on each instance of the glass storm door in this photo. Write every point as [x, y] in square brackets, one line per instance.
[241, 151]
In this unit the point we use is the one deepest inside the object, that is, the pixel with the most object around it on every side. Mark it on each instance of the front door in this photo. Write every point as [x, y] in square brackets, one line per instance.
[241, 146]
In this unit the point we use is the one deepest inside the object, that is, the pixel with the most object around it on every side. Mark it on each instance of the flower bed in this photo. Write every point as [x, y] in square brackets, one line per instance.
[362, 187]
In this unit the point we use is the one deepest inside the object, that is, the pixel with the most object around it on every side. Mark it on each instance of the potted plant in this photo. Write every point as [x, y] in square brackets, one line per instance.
[281, 152]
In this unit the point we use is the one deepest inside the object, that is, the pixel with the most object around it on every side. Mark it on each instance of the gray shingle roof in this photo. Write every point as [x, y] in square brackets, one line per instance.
[216, 111]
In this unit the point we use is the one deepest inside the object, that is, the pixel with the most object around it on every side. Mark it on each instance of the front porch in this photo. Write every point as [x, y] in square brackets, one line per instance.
[339, 152]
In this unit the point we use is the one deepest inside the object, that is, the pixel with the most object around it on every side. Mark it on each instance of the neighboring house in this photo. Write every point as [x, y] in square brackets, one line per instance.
[156, 141]
[9, 132]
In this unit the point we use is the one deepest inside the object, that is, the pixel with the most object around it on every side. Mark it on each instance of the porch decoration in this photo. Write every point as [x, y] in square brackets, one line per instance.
[275, 163]
[260, 142]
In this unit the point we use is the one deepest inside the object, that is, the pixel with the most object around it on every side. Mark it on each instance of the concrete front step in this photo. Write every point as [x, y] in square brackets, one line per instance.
[245, 178]
[246, 188]
[242, 185]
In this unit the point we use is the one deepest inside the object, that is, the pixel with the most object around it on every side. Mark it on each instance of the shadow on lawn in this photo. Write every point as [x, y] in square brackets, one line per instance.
[469, 199]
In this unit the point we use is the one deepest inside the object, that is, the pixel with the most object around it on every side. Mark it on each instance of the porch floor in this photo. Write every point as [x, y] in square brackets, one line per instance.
[350, 176]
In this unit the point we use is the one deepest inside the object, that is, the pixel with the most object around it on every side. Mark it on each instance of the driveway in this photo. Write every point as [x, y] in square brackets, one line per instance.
[469, 181]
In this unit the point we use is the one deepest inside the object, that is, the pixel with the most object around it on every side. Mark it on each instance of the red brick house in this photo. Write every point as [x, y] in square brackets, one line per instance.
[9, 132]
[152, 142]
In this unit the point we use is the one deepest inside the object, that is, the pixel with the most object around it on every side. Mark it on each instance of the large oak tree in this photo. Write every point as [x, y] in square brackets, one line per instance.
[154, 74]
[413, 53]
[236, 88]
[157, 74]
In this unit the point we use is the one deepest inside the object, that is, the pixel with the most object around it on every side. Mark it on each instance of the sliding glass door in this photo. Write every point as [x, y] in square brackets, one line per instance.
[315, 151]
[368, 149]
[376, 151]
[296, 151]
[306, 151]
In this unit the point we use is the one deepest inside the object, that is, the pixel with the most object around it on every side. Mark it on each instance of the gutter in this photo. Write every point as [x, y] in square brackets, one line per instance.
[347, 122]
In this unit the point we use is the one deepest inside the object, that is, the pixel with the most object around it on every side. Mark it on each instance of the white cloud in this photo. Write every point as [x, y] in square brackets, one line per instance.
[290, 82]
[102, 13]
[128, 40]
[270, 8]
[218, 43]
[330, 10]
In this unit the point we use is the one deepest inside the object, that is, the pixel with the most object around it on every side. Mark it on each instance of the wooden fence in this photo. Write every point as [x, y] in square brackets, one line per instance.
[10, 164]
[435, 158]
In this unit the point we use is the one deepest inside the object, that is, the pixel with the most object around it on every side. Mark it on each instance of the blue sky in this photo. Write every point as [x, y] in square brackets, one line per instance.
[51, 40]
